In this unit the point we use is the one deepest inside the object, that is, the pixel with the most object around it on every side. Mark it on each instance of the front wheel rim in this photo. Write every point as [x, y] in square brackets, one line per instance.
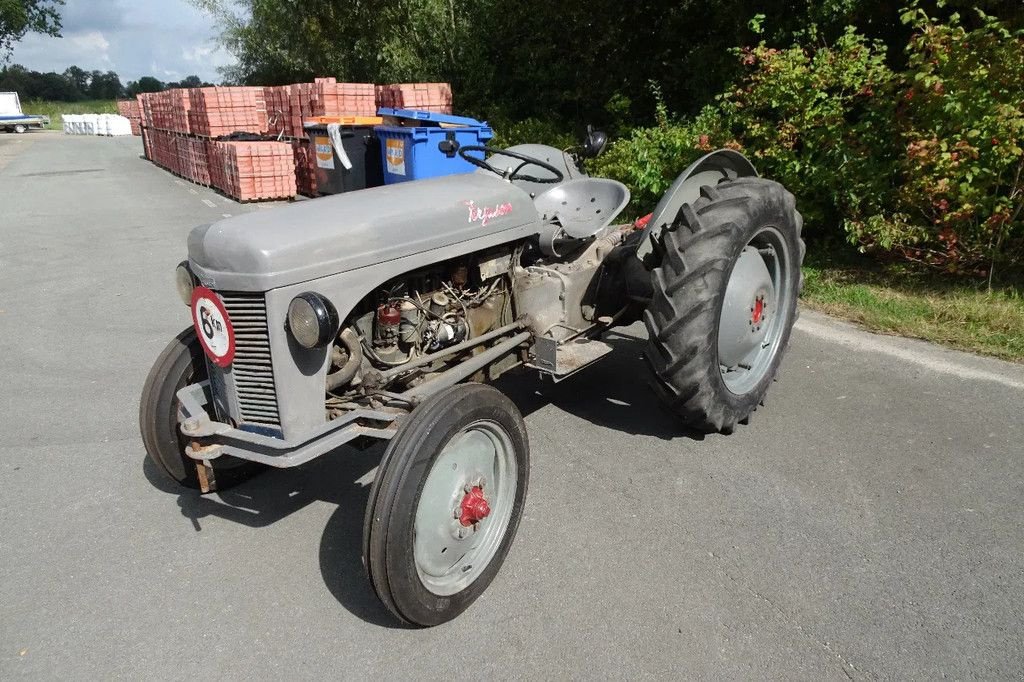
[465, 507]
[756, 310]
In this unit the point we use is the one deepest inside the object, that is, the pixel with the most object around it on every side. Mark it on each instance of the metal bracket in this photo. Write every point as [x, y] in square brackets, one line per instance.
[562, 361]
[212, 439]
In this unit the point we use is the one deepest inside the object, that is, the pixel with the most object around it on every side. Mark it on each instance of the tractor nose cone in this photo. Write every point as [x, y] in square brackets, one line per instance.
[474, 507]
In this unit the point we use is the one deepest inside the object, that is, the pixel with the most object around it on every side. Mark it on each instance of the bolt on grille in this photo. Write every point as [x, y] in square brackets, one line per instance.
[251, 368]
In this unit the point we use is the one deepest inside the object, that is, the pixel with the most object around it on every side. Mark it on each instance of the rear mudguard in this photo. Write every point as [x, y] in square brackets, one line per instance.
[724, 164]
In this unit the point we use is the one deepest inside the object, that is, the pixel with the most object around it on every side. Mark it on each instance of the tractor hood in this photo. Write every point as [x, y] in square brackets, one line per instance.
[268, 249]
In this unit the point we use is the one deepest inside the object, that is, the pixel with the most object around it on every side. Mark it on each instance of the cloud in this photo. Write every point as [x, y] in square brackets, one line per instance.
[91, 42]
[168, 39]
[197, 53]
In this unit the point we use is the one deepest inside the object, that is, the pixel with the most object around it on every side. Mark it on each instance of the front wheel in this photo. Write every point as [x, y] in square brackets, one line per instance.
[446, 503]
[725, 299]
[20, 128]
[180, 364]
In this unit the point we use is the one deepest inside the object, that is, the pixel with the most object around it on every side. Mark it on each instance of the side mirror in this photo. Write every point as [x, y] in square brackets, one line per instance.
[595, 143]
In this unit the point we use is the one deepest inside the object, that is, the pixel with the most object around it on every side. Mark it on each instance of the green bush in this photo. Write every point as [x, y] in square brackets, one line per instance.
[819, 121]
[961, 120]
[924, 165]
[531, 130]
[649, 159]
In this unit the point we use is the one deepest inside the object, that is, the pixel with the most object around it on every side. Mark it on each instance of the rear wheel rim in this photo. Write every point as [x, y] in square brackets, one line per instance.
[477, 462]
[755, 311]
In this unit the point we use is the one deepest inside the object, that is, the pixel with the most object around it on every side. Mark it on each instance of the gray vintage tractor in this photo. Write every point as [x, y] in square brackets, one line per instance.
[387, 313]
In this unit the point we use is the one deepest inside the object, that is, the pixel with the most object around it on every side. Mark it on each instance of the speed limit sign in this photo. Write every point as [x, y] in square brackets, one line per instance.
[213, 326]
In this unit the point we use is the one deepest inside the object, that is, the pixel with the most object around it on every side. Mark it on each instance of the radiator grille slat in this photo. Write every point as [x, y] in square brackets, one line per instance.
[252, 368]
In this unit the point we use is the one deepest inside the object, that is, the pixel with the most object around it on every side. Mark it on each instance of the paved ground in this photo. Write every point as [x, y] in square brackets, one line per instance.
[869, 524]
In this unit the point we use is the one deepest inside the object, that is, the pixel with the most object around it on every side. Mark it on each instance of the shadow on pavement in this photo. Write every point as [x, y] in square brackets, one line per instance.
[613, 394]
[337, 478]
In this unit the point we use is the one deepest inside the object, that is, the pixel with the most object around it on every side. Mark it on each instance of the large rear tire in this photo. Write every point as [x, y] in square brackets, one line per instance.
[446, 503]
[725, 299]
[181, 363]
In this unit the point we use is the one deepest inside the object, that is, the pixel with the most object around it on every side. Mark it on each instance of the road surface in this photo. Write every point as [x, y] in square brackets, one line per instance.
[866, 525]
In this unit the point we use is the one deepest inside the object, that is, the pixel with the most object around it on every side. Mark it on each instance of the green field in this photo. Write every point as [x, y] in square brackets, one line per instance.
[55, 109]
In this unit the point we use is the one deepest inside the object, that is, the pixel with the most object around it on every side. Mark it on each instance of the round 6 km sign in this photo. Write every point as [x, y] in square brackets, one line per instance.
[213, 326]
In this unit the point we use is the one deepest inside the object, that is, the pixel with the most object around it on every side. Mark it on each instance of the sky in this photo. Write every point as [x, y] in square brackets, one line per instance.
[168, 39]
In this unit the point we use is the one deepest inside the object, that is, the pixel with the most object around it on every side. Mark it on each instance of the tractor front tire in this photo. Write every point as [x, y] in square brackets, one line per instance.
[180, 364]
[446, 503]
[725, 300]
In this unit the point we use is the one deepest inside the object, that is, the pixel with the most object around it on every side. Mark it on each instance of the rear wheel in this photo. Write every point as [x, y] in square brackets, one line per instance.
[446, 503]
[725, 298]
[180, 364]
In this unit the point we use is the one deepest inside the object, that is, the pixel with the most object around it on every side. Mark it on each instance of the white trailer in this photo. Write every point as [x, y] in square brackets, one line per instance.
[13, 120]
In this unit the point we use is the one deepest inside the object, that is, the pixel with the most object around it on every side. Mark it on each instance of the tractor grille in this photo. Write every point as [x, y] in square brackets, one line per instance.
[251, 368]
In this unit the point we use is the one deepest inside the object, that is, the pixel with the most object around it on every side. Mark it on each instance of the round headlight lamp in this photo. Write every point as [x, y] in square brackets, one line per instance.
[312, 320]
[185, 282]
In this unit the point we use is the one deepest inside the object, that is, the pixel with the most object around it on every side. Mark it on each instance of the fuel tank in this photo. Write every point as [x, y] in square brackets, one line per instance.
[307, 240]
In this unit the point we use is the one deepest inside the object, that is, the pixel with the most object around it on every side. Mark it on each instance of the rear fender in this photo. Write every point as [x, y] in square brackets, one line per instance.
[724, 164]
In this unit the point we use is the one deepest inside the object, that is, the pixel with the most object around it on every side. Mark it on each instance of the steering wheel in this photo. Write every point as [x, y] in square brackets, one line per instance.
[514, 174]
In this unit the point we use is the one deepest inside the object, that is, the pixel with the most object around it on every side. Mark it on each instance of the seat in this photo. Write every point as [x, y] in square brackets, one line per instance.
[584, 206]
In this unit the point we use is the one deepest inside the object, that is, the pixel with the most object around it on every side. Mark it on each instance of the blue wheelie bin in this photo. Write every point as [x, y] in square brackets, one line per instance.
[422, 144]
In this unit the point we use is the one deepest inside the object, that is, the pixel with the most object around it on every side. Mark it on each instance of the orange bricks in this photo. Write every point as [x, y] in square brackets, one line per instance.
[435, 97]
[305, 168]
[166, 110]
[225, 110]
[288, 106]
[250, 171]
[182, 155]
[179, 129]
[129, 108]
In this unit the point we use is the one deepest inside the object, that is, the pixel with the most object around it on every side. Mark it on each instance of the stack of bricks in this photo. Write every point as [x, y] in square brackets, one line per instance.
[167, 110]
[331, 98]
[193, 153]
[129, 108]
[162, 149]
[278, 110]
[145, 110]
[252, 171]
[434, 97]
[225, 110]
[184, 156]
[289, 106]
[179, 130]
[305, 168]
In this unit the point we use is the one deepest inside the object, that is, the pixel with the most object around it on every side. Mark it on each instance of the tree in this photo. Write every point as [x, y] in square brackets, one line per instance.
[186, 82]
[18, 17]
[144, 84]
[105, 85]
[79, 78]
[572, 60]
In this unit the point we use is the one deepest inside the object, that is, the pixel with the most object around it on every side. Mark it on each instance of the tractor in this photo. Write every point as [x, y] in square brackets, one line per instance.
[387, 314]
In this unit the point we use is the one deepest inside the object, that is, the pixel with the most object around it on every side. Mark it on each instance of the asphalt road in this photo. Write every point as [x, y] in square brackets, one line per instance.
[868, 524]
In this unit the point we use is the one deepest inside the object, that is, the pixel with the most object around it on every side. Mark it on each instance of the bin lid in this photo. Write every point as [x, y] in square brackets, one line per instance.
[440, 119]
[342, 120]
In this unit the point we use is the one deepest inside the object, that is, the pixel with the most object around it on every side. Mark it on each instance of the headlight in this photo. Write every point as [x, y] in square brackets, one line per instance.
[312, 320]
[185, 282]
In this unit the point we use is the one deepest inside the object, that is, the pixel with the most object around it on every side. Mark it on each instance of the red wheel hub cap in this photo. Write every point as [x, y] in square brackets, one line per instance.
[758, 310]
[474, 507]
